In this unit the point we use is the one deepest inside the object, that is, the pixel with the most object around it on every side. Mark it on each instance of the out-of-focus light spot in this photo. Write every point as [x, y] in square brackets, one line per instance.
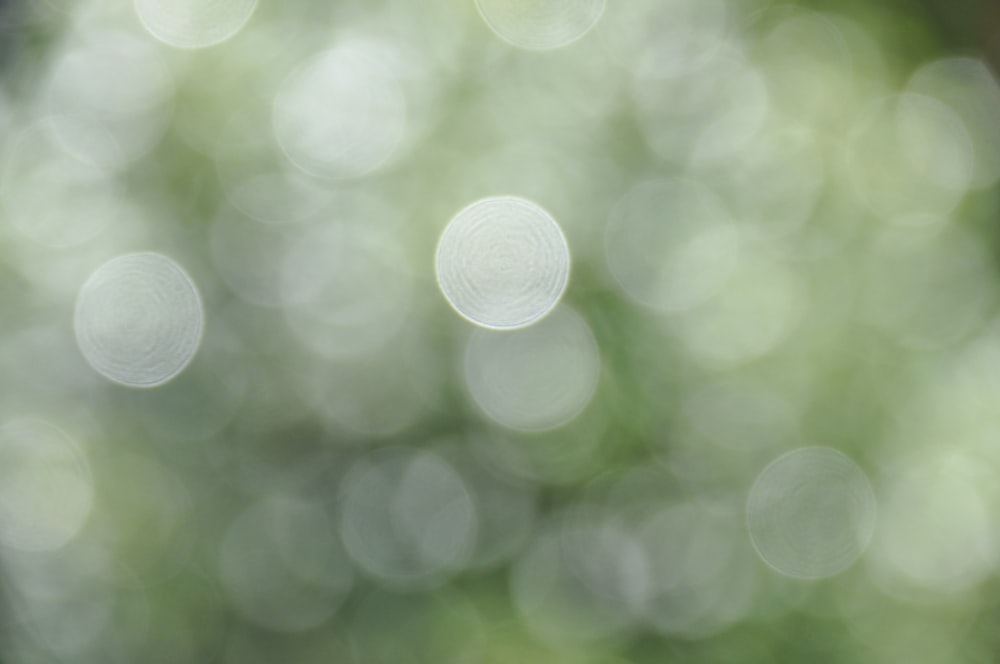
[341, 114]
[541, 24]
[537, 378]
[759, 307]
[139, 319]
[37, 167]
[969, 88]
[194, 23]
[937, 532]
[108, 98]
[708, 115]
[928, 289]
[910, 154]
[282, 567]
[46, 489]
[811, 513]
[664, 38]
[502, 262]
[581, 579]
[670, 244]
[699, 580]
[350, 282]
[408, 519]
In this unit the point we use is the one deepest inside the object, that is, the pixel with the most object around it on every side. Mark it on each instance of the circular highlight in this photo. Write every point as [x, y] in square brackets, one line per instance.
[194, 23]
[540, 24]
[503, 262]
[139, 319]
[811, 513]
[342, 114]
[534, 379]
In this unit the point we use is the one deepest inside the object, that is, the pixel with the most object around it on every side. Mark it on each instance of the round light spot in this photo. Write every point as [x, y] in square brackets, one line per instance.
[341, 114]
[139, 319]
[46, 490]
[194, 23]
[540, 24]
[537, 378]
[282, 566]
[503, 262]
[811, 513]
[408, 519]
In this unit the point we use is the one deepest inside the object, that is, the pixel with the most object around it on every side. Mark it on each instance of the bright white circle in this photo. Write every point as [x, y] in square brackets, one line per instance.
[194, 23]
[46, 489]
[503, 262]
[342, 114]
[811, 513]
[534, 379]
[139, 319]
[540, 24]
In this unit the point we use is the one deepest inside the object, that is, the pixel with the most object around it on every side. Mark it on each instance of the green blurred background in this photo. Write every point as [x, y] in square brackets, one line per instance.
[348, 471]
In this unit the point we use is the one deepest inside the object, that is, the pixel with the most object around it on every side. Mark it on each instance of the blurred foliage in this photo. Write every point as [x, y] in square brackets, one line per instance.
[782, 224]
